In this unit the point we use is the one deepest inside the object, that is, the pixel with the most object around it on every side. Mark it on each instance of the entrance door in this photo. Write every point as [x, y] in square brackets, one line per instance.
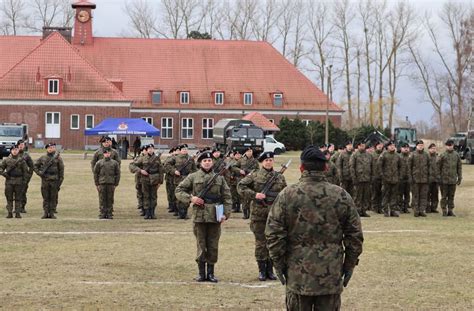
[53, 125]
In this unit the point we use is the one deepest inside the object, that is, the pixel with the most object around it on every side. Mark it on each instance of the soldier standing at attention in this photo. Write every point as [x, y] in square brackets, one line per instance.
[106, 178]
[331, 172]
[377, 179]
[206, 226]
[252, 186]
[232, 179]
[390, 165]
[433, 187]
[340, 149]
[99, 154]
[169, 183]
[29, 162]
[404, 194]
[218, 160]
[314, 237]
[138, 181]
[450, 169]
[360, 165]
[244, 166]
[16, 173]
[151, 170]
[343, 168]
[418, 175]
[50, 168]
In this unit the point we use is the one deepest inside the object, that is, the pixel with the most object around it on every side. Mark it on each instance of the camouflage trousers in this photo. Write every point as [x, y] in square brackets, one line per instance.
[150, 196]
[362, 199]
[419, 201]
[234, 193]
[207, 241]
[308, 303]
[24, 199]
[447, 196]
[138, 188]
[258, 229]
[13, 194]
[390, 197]
[433, 196]
[170, 187]
[49, 192]
[404, 195]
[348, 185]
[377, 195]
[106, 198]
[246, 201]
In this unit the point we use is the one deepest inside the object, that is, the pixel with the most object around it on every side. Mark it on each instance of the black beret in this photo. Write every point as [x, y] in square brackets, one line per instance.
[149, 146]
[205, 155]
[389, 143]
[349, 142]
[21, 141]
[49, 145]
[404, 145]
[449, 142]
[248, 148]
[323, 146]
[107, 138]
[106, 151]
[15, 146]
[215, 150]
[431, 146]
[142, 147]
[419, 142]
[312, 154]
[172, 150]
[266, 155]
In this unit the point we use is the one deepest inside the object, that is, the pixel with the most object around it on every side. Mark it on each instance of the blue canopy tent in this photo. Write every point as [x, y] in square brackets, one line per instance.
[123, 126]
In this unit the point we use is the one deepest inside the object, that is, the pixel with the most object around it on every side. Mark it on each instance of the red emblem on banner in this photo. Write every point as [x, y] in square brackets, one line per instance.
[123, 126]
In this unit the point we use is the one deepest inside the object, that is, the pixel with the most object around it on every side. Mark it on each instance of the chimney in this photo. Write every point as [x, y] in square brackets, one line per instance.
[66, 32]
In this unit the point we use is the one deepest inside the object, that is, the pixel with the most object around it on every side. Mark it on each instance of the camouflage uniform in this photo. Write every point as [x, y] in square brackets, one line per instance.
[16, 173]
[433, 188]
[360, 165]
[99, 155]
[177, 164]
[51, 181]
[247, 165]
[343, 168]
[314, 234]
[138, 184]
[450, 169]
[376, 205]
[169, 173]
[249, 186]
[390, 165]
[418, 175]
[150, 183]
[206, 228]
[106, 178]
[30, 164]
[404, 188]
[331, 173]
[232, 178]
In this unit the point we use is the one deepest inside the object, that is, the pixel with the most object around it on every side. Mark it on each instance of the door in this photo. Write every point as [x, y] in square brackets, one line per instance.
[53, 125]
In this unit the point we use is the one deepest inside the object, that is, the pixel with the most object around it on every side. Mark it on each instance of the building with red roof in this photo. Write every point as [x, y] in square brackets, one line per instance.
[61, 84]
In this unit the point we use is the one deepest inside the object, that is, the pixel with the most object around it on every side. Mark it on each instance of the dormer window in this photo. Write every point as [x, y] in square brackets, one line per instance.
[156, 97]
[248, 99]
[219, 98]
[184, 98]
[53, 86]
[277, 99]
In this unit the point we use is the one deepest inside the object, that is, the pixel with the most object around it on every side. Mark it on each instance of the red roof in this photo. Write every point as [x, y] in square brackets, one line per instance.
[54, 57]
[259, 120]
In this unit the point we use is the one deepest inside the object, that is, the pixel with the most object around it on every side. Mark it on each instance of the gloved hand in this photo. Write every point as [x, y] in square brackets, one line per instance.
[459, 181]
[346, 274]
[282, 275]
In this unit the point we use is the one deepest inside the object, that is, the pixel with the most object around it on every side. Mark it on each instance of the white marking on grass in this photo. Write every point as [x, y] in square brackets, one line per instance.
[246, 285]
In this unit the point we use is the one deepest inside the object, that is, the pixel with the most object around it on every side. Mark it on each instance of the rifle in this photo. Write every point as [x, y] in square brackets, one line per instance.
[202, 194]
[269, 184]
[181, 169]
[12, 167]
[48, 165]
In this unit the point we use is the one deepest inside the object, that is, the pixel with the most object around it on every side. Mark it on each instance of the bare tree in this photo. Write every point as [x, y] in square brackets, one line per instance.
[299, 32]
[13, 15]
[48, 13]
[265, 20]
[142, 17]
[380, 17]
[285, 25]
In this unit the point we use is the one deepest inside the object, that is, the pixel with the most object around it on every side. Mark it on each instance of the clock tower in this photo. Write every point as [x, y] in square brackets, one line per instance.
[83, 22]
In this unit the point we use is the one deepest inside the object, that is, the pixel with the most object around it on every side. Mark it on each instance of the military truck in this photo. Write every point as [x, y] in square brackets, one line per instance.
[238, 135]
[405, 135]
[10, 133]
[466, 148]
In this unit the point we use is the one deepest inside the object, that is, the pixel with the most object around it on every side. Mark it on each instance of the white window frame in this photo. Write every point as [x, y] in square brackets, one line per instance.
[161, 97]
[148, 120]
[53, 86]
[277, 96]
[306, 122]
[78, 122]
[207, 128]
[181, 98]
[245, 99]
[187, 128]
[219, 98]
[167, 127]
[85, 121]
[52, 130]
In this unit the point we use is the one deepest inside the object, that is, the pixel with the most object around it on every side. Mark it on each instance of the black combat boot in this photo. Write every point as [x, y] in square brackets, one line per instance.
[152, 213]
[45, 215]
[246, 213]
[450, 213]
[147, 214]
[51, 215]
[270, 274]
[394, 214]
[175, 209]
[17, 214]
[142, 212]
[445, 213]
[10, 215]
[210, 274]
[262, 270]
[363, 213]
[202, 272]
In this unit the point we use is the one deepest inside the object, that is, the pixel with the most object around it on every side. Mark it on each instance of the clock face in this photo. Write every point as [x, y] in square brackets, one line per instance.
[83, 16]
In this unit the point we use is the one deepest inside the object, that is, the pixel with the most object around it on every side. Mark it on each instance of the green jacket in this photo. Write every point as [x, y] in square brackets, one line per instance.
[246, 164]
[390, 166]
[376, 173]
[99, 154]
[107, 172]
[419, 167]
[178, 163]
[331, 173]
[343, 167]
[360, 165]
[218, 194]
[55, 171]
[404, 172]
[434, 168]
[450, 167]
[29, 163]
[314, 231]
[15, 170]
[152, 165]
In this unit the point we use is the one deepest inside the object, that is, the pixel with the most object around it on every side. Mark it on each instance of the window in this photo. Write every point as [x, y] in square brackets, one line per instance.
[248, 98]
[277, 99]
[306, 122]
[148, 120]
[53, 86]
[156, 97]
[167, 128]
[74, 121]
[207, 128]
[219, 98]
[184, 97]
[89, 121]
[187, 128]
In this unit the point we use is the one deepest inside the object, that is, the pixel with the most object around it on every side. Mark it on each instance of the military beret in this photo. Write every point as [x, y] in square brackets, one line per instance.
[172, 150]
[378, 142]
[142, 147]
[266, 155]
[19, 142]
[149, 146]
[106, 151]
[322, 146]
[420, 142]
[312, 154]
[389, 143]
[349, 142]
[248, 148]
[449, 142]
[15, 146]
[205, 155]
[431, 146]
[49, 145]
[107, 138]
[215, 150]
[405, 145]
[330, 145]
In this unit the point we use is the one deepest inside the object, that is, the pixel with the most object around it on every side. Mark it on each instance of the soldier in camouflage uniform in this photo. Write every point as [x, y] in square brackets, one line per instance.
[232, 179]
[336, 154]
[252, 185]
[218, 160]
[206, 226]
[138, 184]
[450, 169]
[16, 172]
[433, 187]
[418, 175]
[99, 153]
[360, 165]
[404, 193]
[50, 168]
[244, 166]
[169, 182]
[29, 162]
[106, 178]
[331, 172]
[343, 169]
[314, 237]
[376, 205]
[390, 165]
[151, 170]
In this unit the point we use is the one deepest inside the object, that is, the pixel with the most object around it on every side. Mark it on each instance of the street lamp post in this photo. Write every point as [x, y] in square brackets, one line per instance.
[328, 88]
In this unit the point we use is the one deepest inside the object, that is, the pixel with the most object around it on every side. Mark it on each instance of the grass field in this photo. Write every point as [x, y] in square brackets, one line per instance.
[80, 262]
